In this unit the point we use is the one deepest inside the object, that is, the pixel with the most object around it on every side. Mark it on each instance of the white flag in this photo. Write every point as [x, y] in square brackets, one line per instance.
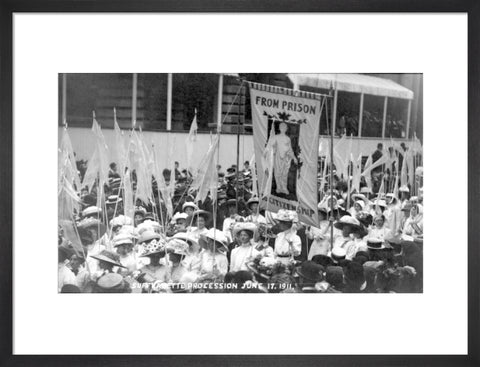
[190, 142]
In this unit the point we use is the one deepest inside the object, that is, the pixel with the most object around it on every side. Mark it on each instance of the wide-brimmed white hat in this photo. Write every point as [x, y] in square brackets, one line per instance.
[382, 203]
[244, 226]
[217, 236]
[189, 239]
[360, 202]
[348, 220]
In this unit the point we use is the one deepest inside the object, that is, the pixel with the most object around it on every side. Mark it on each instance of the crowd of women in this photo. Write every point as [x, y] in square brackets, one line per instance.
[362, 243]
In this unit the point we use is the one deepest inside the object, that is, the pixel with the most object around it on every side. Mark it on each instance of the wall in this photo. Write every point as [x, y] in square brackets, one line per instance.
[83, 145]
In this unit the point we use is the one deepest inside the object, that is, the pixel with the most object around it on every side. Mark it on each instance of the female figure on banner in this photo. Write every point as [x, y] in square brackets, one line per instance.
[283, 156]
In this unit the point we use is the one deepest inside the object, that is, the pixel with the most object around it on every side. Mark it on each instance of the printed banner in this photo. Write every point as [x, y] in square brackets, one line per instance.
[286, 136]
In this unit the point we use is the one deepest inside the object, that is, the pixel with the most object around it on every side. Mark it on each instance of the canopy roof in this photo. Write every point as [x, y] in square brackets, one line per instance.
[354, 83]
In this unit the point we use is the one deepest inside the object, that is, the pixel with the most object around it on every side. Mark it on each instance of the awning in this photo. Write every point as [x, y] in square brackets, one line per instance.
[354, 83]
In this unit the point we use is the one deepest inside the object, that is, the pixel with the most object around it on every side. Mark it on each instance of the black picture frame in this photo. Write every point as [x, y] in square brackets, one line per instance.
[7, 8]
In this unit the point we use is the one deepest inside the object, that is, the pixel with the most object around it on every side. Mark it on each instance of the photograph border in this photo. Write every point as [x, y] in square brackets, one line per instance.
[7, 8]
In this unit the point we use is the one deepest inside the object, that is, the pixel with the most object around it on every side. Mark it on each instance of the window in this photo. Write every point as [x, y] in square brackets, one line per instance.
[372, 121]
[154, 102]
[190, 92]
[348, 112]
[396, 122]
[100, 93]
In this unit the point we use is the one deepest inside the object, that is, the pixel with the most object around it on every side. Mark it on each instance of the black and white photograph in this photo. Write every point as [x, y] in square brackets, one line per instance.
[240, 183]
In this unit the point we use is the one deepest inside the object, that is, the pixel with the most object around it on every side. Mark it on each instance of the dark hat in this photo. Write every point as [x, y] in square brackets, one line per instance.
[70, 288]
[365, 218]
[232, 202]
[253, 200]
[199, 213]
[322, 260]
[350, 221]
[354, 273]
[149, 216]
[311, 271]
[334, 276]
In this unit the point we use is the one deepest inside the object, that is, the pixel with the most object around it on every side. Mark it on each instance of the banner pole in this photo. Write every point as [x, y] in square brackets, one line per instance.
[334, 111]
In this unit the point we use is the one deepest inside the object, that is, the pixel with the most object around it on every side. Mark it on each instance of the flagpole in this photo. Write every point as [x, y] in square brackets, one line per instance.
[334, 112]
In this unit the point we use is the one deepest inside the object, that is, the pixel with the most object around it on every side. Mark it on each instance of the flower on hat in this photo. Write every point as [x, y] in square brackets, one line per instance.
[153, 247]
[287, 215]
[177, 246]
[121, 220]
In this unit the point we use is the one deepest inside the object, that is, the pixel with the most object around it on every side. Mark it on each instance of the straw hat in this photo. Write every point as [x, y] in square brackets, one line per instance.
[122, 239]
[108, 257]
[179, 215]
[113, 200]
[111, 281]
[338, 254]
[148, 235]
[375, 244]
[189, 204]
[91, 210]
[404, 188]
[287, 216]
[361, 197]
[121, 220]
[177, 246]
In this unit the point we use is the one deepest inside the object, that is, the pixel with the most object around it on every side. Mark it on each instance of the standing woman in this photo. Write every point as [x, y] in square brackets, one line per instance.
[414, 224]
[320, 236]
[245, 252]
[214, 260]
[200, 218]
[255, 216]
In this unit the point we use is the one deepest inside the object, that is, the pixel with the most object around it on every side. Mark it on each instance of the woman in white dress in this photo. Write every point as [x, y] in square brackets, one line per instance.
[320, 235]
[245, 252]
[213, 259]
[281, 146]
[413, 227]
